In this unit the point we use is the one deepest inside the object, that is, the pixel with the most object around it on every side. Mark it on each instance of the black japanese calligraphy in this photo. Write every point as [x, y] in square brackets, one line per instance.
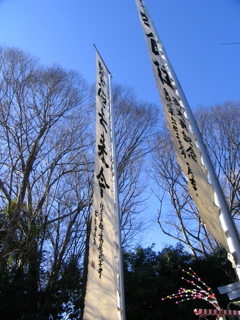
[163, 75]
[102, 74]
[189, 168]
[102, 182]
[170, 109]
[186, 138]
[102, 150]
[145, 19]
[191, 154]
[101, 240]
[95, 226]
[193, 182]
[183, 124]
[102, 95]
[166, 95]
[153, 44]
[191, 178]
[102, 121]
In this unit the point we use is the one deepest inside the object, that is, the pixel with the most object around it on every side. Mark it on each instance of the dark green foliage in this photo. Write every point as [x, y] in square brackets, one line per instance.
[151, 276]
[19, 301]
[17, 298]
[63, 296]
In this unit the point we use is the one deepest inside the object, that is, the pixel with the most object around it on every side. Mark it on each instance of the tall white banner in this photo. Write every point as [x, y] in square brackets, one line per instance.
[182, 131]
[103, 293]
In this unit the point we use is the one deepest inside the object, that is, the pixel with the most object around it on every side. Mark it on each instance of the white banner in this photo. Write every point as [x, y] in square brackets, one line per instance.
[182, 131]
[102, 300]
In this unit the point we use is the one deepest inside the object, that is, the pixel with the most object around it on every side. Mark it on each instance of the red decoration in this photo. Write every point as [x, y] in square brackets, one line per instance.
[209, 312]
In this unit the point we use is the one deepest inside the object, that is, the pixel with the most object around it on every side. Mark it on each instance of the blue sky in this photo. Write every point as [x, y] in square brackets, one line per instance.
[194, 33]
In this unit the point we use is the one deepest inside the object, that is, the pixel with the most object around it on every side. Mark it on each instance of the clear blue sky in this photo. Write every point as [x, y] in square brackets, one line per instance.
[192, 31]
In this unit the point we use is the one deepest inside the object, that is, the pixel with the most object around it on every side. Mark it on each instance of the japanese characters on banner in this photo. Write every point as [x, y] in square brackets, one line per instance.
[188, 154]
[102, 292]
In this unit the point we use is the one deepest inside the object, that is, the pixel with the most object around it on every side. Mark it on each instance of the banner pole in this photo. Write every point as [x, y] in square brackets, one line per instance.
[116, 207]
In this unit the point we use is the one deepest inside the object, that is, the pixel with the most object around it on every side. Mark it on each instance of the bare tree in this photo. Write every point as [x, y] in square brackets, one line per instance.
[220, 129]
[45, 166]
[135, 127]
[178, 216]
